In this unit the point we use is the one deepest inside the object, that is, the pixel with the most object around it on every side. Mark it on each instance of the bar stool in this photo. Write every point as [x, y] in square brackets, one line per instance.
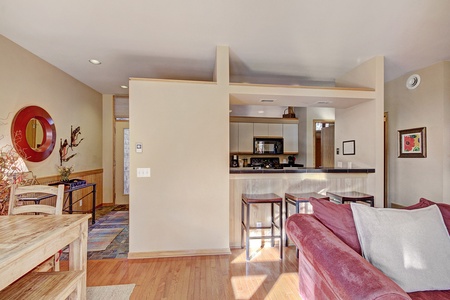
[272, 199]
[352, 196]
[296, 199]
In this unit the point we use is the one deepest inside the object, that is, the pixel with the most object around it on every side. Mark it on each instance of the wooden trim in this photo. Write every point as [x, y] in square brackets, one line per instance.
[314, 137]
[264, 120]
[181, 253]
[73, 175]
[336, 88]
[172, 80]
[386, 158]
[394, 205]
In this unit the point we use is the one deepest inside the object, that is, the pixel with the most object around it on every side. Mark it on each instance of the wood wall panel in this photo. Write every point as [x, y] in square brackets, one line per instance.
[91, 176]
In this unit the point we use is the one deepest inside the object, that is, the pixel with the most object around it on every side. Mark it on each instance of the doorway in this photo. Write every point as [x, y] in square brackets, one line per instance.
[121, 165]
[323, 143]
[121, 151]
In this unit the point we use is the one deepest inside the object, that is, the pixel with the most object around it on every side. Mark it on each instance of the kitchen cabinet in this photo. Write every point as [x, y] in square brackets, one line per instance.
[234, 137]
[245, 138]
[290, 135]
[242, 131]
[267, 129]
[275, 129]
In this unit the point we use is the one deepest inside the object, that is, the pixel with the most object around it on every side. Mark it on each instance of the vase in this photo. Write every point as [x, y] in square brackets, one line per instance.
[65, 178]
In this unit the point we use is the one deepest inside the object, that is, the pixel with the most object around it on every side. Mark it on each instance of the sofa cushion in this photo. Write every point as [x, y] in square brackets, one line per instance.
[412, 247]
[328, 269]
[444, 209]
[339, 219]
[421, 204]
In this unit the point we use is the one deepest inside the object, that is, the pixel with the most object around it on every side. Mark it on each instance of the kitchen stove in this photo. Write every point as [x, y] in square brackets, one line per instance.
[265, 163]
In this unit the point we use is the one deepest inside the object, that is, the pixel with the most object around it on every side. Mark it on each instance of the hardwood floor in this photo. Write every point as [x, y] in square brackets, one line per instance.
[203, 277]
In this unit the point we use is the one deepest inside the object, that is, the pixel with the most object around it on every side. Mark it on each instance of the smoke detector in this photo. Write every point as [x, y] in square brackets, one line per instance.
[413, 81]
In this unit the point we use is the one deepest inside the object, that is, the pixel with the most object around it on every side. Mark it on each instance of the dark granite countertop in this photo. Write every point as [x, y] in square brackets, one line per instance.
[298, 170]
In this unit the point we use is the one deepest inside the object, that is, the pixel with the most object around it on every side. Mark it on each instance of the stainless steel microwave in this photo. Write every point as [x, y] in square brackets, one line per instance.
[267, 145]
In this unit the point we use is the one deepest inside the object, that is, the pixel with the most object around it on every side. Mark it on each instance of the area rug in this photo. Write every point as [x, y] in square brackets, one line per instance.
[100, 238]
[122, 207]
[115, 218]
[110, 292]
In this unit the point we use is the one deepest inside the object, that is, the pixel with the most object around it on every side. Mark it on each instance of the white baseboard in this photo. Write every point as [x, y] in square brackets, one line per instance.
[160, 254]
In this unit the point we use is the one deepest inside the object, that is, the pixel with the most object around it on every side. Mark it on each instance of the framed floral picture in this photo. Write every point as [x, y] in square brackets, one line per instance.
[412, 142]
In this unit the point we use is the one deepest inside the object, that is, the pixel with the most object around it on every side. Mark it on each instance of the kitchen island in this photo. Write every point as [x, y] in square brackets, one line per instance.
[288, 180]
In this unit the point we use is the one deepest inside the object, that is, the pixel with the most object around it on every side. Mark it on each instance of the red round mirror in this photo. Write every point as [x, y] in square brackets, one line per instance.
[31, 122]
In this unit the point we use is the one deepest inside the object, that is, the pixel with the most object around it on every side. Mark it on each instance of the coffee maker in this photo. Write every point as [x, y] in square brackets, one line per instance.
[291, 160]
[234, 161]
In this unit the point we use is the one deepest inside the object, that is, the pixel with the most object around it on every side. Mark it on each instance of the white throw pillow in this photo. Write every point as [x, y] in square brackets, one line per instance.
[412, 247]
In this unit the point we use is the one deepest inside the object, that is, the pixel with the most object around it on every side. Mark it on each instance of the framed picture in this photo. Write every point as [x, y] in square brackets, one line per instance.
[348, 147]
[412, 142]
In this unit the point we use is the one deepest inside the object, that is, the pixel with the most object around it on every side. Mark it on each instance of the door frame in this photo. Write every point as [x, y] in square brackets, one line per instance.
[315, 121]
[386, 160]
[116, 119]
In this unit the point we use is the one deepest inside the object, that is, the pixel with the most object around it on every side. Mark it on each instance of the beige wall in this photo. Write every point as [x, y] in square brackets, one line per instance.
[426, 106]
[446, 136]
[184, 206]
[364, 124]
[26, 80]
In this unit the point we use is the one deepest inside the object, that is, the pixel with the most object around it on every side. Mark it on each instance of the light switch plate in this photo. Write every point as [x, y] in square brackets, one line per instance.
[143, 172]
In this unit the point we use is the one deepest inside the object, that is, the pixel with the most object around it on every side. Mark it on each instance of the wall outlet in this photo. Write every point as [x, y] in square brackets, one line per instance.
[81, 202]
[258, 224]
[143, 172]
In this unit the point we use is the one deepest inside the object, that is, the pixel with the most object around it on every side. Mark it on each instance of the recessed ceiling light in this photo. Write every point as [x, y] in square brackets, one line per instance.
[260, 111]
[267, 100]
[95, 61]
[124, 86]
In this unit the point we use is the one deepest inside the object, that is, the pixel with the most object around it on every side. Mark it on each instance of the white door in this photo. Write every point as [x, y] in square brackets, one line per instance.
[122, 172]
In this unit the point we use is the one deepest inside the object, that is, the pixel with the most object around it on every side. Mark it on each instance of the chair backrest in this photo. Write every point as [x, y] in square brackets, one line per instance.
[34, 191]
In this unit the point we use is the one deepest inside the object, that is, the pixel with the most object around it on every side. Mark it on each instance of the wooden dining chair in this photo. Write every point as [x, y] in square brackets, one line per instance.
[16, 207]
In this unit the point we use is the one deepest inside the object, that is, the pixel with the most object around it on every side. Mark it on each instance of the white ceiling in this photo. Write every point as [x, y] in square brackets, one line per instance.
[290, 41]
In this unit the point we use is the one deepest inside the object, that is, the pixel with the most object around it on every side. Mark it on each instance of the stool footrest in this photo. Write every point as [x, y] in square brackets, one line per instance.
[247, 201]
[264, 237]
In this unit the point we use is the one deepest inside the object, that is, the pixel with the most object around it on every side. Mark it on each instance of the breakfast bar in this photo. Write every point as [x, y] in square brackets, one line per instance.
[288, 180]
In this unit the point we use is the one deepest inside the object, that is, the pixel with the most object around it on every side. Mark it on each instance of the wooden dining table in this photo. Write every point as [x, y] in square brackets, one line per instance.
[28, 240]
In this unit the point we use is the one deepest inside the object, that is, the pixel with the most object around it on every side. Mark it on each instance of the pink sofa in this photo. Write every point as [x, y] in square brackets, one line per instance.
[330, 269]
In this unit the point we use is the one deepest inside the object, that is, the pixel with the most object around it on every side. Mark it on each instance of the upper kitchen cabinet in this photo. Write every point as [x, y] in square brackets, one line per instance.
[290, 135]
[267, 129]
[242, 133]
[245, 138]
[234, 137]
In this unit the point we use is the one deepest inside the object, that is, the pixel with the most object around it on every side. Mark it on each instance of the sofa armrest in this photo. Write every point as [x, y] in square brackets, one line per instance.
[329, 269]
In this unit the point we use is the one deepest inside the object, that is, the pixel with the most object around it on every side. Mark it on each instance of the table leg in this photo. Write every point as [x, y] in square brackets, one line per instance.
[78, 255]
[70, 203]
[93, 202]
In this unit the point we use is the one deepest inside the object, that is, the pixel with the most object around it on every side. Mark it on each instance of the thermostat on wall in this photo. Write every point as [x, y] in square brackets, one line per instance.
[138, 147]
